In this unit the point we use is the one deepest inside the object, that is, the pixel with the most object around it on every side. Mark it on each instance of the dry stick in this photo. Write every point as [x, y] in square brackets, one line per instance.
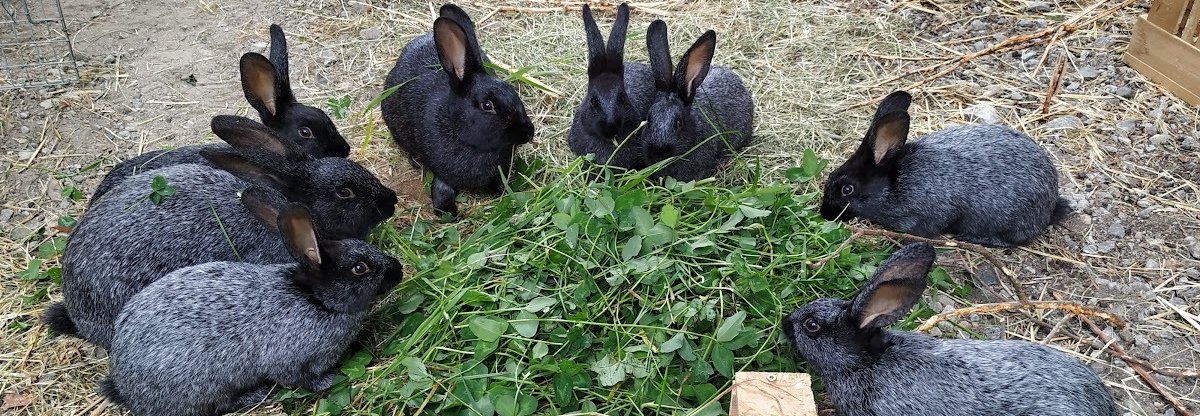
[1055, 80]
[1068, 307]
[1136, 366]
[1011, 44]
[976, 248]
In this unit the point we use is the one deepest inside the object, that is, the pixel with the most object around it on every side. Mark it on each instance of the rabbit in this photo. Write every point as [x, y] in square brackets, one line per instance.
[460, 123]
[618, 95]
[125, 242]
[217, 337]
[870, 370]
[700, 112]
[986, 184]
[268, 88]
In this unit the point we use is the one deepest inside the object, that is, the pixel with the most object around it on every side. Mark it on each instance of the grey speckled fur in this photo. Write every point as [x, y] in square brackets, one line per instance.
[875, 371]
[986, 184]
[124, 242]
[712, 122]
[213, 338]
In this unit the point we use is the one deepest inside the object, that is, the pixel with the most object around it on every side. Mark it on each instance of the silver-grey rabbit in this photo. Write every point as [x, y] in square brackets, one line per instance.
[870, 370]
[124, 241]
[985, 184]
[702, 113]
[210, 339]
[618, 95]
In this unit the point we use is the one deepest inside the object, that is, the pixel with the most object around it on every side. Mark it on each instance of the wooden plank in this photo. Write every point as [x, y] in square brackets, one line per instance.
[1169, 14]
[1165, 59]
[772, 394]
[1190, 28]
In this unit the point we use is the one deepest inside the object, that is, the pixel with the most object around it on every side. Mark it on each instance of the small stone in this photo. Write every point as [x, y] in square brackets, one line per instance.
[6, 214]
[24, 129]
[1104, 42]
[1160, 139]
[23, 115]
[1088, 72]
[1193, 247]
[1038, 7]
[987, 275]
[1116, 230]
[1152, 264]
[1127, 126]
[260, 47]
[1105, 247]
[1191, 144]
[46, 104]
[935, 332]
[371, 33]
[977, 25]
[1124, 92]
[983, 113]
[1065, 123]
[993, 332]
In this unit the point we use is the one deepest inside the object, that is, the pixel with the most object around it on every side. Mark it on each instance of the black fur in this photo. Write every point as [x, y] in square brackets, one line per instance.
[59, 320]
[458, 122]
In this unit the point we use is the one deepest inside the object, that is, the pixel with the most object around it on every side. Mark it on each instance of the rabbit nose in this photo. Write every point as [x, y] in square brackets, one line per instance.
[387, 204]
[521, 132]
[830, 212]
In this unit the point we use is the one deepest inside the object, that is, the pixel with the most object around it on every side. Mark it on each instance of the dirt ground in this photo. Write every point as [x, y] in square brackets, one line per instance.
[1128, 153]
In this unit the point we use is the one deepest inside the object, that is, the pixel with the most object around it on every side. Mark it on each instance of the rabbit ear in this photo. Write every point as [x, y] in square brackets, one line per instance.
[896, 102]
[888, 134]
[259, 202]
[693, 67]
[458, 14]
[239, 165]
[616, 39]
[595, 43]
[261, 86]
[296, 227]
[244, 133]
[894, 288]
[279, 59]
[660, 56]
[457, 51]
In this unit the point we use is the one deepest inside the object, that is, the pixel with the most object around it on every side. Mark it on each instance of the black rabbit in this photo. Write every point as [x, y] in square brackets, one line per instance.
[458, 122]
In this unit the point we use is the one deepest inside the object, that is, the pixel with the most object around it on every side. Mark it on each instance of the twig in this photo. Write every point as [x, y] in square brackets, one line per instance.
[1011, 44]
[1055, 80]
[1068, 307]
[1136, 366]
[976, 248]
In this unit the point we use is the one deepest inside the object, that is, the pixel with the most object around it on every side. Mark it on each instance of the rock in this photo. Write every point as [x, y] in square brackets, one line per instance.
[993, 332]
[1193, 246]
[1088, 72]
[328, 57]
[1039, 7]
[977, 25]
[987, 275]
[1104, 42]
[23, 115]
[1116, 230]
[1104, 247]
[371, 33]
[1127, 126]
[47, 103]
[260, 47]
[1124, 92]
[935, 332]
[6, 214]
[1160, 139]
[1191, 144]
[24, 129]
[1065, 123]
[983, 113]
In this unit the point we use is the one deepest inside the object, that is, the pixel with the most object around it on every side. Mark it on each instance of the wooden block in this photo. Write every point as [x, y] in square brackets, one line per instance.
[1168, 14]
[1166, 59]
[772, 394]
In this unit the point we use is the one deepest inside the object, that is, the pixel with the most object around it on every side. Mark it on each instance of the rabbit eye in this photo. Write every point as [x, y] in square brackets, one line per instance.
[360, 269]
[306, 133]
[345, 193]
[847, 189]
[487, 107]
[811, 325]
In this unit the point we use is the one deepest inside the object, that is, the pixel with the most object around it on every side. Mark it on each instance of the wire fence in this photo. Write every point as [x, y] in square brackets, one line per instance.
[35, 49]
